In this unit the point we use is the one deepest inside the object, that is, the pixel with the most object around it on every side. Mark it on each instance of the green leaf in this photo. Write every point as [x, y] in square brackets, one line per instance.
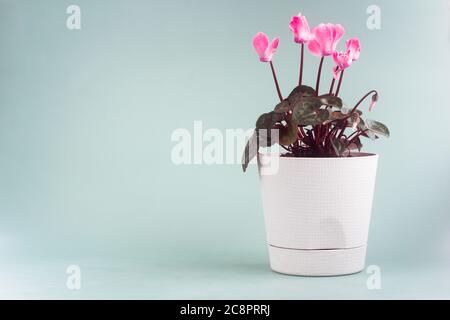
[310, 116]
[331, 101]
[323, 115]
[368, 134]
[305, 91]
[259, 138]
[265, 138]
[355, 145]
[377, 128]
[289, 134]
[337, 115]
[301, 92]
[338, 146]
[267, 120]
[282, 107]
[346, 111]
[353, 121]
[250, 151]
[301, 113]
[305, 106]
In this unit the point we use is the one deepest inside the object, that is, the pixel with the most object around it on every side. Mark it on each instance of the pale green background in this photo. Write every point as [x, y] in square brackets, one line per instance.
[85, 123]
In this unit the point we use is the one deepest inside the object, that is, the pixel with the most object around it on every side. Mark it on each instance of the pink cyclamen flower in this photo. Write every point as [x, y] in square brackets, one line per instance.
[326, 38]
[372, 104]
[345, 59]
[342, 59]
[300, 28]
[263, 48]
[353, 48]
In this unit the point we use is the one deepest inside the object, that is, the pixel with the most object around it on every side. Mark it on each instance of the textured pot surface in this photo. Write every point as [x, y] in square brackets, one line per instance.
[317, 204]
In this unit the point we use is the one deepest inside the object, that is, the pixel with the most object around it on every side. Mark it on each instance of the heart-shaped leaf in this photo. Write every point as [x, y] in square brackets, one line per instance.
[377, 128]
[310, 116]
[304, 91]
[267, 120]
[305, 106]
[299, 93]
[282, 107]
[367, 133]
[323, 115]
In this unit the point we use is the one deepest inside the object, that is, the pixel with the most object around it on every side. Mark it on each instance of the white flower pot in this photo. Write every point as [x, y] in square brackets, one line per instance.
[317, 212]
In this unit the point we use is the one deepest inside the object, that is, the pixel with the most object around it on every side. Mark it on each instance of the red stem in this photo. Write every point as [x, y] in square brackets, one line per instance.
[332, 86]
[360, 101]
[302, 52]
[342, 132]
[302, 132]
[317, 134]
[319, 73]
[324, 134]
[338, 121]
[276, 81]
[354, 138]
[350, 136]
[339, 84]
[335, 128]
[342, 127]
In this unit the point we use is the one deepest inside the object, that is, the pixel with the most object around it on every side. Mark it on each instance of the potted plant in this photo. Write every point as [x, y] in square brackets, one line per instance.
[317, 202]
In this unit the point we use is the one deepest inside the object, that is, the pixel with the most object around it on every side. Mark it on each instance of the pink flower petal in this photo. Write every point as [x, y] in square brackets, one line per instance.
[295, 24]
[260, 43]
[342, 59]
[300, 28]
[315, 48]
[323, 36]
[374, 101]
[274, 44]
[262, 47]
[372, 104]
[354, 48]
[271, 50]
[338, 33]
[326, 37]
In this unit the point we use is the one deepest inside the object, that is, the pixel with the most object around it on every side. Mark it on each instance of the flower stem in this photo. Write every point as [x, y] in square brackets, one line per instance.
[276, 81]
[319, 73]
[352, 135]
[360, 101]
[302, 52]
[339, 84]
[332, 86]
[350, 141]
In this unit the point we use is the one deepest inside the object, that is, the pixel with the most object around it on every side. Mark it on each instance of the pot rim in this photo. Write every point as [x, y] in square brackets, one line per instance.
[357, 155]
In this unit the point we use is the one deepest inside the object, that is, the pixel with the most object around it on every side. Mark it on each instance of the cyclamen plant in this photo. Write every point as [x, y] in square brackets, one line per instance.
[311, 123]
